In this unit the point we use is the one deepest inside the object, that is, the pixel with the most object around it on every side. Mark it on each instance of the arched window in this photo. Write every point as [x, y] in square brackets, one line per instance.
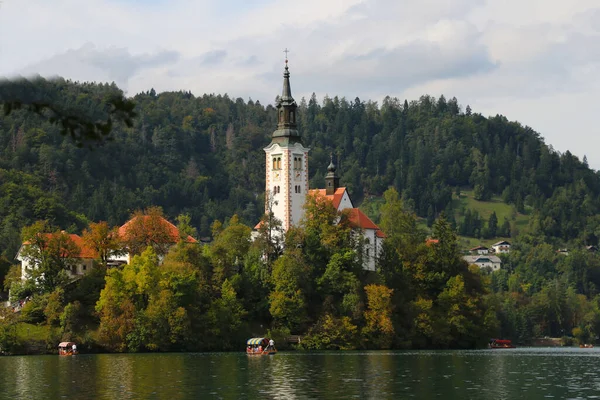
[278, 162]
[274, 189]
[299, 189]
[292, 117]
[274, 163]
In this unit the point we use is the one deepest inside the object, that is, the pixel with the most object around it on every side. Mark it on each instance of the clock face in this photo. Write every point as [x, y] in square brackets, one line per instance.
[276, 175]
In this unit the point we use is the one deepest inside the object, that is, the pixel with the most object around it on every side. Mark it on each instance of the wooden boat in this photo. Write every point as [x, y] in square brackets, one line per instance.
[501, 344]
[260, 347]
[67, 349]
[586, 346]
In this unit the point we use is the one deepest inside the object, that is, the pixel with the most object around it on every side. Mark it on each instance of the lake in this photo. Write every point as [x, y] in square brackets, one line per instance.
[529, 373]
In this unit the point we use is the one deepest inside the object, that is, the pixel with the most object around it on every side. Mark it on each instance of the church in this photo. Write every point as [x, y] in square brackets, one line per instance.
[286, 179]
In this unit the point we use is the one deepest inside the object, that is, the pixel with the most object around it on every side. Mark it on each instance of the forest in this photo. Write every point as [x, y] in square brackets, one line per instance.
[202, 158]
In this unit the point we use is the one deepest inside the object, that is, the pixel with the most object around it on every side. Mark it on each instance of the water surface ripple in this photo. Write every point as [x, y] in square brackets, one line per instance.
[526, 373]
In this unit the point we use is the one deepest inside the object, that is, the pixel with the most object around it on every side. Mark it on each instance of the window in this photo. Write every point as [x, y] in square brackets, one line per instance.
[298, 162]
[276, 162]
[292, 117]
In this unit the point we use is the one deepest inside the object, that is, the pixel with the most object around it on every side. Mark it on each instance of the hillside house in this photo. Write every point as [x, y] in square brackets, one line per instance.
[479, 250]
[492, 262]
[501, 247]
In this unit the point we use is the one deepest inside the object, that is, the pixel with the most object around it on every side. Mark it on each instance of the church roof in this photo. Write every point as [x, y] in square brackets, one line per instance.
[172, 230]
[360, 220]
[335, 198]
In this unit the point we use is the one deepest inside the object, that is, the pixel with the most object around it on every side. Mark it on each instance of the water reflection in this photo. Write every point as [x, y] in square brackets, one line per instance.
[495, 374]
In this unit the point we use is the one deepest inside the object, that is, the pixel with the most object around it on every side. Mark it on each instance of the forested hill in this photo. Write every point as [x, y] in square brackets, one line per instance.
[203, 156]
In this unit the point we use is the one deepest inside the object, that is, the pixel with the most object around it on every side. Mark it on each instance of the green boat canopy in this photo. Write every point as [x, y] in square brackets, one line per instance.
[257, 340]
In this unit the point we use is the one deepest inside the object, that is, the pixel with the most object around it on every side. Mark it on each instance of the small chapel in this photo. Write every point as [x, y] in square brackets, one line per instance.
[286, 179]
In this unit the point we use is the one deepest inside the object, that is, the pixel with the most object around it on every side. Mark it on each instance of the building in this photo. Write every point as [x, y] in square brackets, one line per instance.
[481, 250]
[286, 179]
[84, 260]
[492, 262]
[501, 247]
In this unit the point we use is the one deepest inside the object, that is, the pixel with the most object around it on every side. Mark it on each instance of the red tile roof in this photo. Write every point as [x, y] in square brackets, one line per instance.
[360, 220]
[84, 251]
[172, 229]
[430, 241]
[336, 197]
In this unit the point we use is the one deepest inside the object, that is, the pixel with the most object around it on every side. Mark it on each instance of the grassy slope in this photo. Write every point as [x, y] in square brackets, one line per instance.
[466, 200]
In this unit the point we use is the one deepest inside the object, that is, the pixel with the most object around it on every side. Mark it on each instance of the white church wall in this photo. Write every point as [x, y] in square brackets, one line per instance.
[345, 202]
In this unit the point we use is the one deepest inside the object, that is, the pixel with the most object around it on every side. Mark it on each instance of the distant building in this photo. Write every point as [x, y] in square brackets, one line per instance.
[480, 250]
[492, 262]
[592, 249]
[563, 252]
[501, 247]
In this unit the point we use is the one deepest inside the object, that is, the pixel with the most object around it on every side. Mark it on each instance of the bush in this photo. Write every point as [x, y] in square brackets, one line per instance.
[331, 333]
[33, 310]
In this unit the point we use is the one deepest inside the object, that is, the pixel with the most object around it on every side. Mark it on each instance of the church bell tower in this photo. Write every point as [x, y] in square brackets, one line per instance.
[286, 180]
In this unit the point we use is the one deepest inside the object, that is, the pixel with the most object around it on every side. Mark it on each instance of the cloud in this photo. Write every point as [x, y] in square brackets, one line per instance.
[213, 58]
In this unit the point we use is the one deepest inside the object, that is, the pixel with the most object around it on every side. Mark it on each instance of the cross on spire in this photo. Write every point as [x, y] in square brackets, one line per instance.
[286, 51]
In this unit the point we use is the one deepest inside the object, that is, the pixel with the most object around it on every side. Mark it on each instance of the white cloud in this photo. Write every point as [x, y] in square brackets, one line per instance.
[536, 61]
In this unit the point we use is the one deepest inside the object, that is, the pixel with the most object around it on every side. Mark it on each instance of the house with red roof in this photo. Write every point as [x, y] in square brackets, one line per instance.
[286, 179]
[157, 231]
[85, 258]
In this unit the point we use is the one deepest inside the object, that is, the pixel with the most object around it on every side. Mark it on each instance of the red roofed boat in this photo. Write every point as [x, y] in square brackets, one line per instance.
[67, 349]
[501, 344]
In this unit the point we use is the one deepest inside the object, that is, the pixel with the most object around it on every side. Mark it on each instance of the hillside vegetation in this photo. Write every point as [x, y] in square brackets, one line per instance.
[453, 169]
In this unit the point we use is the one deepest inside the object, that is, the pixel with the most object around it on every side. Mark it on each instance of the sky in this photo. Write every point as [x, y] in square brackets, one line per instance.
[534, 61]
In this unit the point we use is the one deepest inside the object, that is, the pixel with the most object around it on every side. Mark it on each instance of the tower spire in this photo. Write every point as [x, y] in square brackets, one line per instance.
[286, 110]
[332, 181]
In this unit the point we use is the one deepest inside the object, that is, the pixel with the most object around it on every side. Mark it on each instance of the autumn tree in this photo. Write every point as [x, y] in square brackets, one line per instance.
[103, 240]
[148, 228]
[379, 328]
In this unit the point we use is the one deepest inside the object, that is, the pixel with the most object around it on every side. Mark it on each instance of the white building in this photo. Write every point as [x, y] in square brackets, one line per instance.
[492, 262]
[84, 260]
[501, 247]
[480, 250]
[286, 179]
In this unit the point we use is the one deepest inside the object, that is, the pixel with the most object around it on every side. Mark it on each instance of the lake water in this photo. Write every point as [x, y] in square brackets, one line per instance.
[527, 373]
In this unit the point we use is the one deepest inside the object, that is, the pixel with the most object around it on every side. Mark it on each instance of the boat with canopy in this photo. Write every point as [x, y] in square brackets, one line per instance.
[260, 347]
[67, 349]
